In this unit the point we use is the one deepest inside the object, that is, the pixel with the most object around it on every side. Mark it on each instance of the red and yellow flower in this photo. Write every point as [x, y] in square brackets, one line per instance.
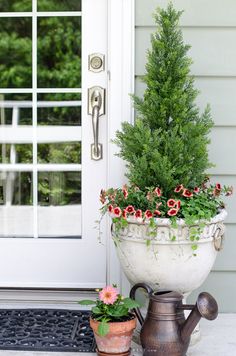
[148, 214]
[117, 212]
[172, 212]
[138, 213]
[179, 188]
[110, 208]
[157, 212]
[157, 191]
[125, 191]
[130, 209]
[171, 203]
[187, 193]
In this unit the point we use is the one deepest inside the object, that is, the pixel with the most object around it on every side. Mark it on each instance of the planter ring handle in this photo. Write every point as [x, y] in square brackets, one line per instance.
[218, 237]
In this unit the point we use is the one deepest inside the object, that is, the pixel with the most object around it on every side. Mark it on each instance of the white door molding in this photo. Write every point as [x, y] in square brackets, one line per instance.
[121, 31]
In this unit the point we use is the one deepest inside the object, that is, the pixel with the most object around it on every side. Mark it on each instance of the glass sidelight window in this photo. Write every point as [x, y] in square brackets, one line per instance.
[40, 119]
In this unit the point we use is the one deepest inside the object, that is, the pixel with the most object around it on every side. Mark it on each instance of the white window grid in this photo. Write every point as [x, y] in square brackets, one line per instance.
[36, 134]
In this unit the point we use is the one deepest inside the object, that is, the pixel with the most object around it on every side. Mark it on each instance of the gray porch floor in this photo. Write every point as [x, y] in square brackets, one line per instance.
[218, 339]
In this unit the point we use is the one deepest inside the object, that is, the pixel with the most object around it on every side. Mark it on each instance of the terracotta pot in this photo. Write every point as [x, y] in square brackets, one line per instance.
[99, 353]
[118, 339]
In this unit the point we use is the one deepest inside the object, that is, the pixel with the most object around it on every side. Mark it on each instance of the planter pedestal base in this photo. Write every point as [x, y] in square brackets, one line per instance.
[100, 353]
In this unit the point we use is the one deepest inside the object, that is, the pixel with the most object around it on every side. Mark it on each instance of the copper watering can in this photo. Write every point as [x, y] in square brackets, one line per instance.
[165, 331]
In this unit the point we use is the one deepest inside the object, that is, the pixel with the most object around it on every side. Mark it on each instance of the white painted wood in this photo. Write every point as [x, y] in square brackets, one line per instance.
[40, 90]
[221, 284]
[40, 104]
[59, 13]
[31, 298]
[230, 202]
[121, 84]
[196, 12]
[40, 13]
[17, 221]
[226, 260]
[35, 117]
[212, 51]
[45, 134]
[47, 167]
[222, 150]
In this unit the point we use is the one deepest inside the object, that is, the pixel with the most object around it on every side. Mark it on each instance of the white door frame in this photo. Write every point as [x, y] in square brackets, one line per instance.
[121, 59]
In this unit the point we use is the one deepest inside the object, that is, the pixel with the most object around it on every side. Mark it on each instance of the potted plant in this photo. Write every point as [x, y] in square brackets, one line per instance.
[168, 220]
[112, 322]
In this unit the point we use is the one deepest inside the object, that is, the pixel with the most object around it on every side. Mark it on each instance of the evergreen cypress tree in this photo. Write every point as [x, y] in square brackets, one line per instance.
[167, 145]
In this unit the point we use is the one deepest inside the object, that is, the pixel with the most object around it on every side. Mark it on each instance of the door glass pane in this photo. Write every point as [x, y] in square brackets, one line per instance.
[22, 113]
[15, 5]
[59, 211]
[59, 153]
[15, 52]
[59, 52]
[62, 5]
[59, 109]
[16, 153]
[16, 211]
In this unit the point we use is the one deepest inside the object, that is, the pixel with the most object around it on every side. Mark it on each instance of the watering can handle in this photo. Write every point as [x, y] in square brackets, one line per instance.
[133, 290]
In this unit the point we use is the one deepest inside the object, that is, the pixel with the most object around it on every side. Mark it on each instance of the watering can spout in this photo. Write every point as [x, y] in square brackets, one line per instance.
[205, 307]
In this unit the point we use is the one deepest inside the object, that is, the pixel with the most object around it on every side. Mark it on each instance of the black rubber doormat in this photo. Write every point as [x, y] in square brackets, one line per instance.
[46, 330]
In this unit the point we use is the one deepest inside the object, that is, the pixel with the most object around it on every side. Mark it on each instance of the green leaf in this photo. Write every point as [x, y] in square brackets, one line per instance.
[96, 310]
[103, 328]
[148, 242]
[130, 303]
[118, 311]
[87, 302]
[173, 238]
[194, 247]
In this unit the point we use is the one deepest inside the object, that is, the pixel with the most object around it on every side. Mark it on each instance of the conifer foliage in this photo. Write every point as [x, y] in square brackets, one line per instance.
[167, 145]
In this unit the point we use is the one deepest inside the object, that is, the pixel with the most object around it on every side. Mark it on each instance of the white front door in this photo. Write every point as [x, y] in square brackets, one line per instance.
[49, 184]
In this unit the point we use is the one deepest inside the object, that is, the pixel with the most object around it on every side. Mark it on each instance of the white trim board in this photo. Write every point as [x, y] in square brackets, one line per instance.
[121, 31]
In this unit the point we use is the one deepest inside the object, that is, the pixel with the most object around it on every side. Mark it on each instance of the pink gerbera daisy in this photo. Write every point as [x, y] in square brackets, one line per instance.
[108, 295]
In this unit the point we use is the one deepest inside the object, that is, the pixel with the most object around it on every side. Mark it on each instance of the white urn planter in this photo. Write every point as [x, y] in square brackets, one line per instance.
[167, 264]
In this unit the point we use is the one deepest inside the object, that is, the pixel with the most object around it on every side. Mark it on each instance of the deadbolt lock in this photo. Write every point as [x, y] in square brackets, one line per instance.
[96, 62]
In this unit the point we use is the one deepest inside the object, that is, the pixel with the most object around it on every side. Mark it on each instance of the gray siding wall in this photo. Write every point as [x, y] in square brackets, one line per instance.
[210, 27]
